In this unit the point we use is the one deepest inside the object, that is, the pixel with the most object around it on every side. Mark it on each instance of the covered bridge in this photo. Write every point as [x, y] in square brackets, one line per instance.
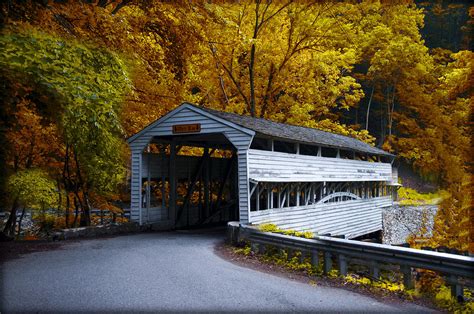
[198, 166]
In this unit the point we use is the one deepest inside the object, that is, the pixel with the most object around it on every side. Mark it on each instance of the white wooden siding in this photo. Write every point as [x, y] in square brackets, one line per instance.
[240, 137]
[350, 218]
[243, 184]
[136, 187]
[268, 166]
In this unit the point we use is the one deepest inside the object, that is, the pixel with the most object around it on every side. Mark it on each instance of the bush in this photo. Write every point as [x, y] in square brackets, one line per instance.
[274, 228]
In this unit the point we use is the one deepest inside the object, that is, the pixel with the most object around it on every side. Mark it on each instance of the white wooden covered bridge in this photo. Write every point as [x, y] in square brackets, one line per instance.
[198, 166]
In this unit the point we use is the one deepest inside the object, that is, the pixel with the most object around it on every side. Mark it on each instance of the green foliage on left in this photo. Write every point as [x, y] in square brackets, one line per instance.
[87, 84]
[33, 189]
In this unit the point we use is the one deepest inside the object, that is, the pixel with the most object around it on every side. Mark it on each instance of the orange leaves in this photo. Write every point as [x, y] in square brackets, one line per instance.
[33, 142]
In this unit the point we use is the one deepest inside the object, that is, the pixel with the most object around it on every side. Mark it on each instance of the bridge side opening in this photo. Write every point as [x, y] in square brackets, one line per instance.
[189, 181]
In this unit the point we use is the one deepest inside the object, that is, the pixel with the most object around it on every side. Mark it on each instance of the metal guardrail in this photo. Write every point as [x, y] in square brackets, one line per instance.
[455, 267]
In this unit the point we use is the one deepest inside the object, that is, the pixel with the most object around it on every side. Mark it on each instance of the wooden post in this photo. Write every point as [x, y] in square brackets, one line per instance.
[163, 181]
[271, 194]
[298, 192]
[148, 194]
[206, 181]
[257, 197]
[228, 172]
[342, 265]
[172, 180]
[407, 280]
[279, 195]
[327, 262]
[196, 176]
[285, 194]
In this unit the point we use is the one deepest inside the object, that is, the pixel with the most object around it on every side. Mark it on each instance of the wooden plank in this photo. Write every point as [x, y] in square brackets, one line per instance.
[284, 167]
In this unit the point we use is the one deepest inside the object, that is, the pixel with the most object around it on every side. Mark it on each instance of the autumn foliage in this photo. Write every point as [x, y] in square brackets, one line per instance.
[81, 76]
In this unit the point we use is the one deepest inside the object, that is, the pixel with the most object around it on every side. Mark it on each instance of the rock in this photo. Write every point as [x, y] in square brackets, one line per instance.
[94, 231]
[399, 222]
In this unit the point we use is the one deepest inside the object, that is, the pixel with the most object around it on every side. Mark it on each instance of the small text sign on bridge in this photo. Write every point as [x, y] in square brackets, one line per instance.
[187, 128]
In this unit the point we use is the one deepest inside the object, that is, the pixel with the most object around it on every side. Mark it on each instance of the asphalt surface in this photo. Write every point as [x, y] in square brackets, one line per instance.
[174, 271]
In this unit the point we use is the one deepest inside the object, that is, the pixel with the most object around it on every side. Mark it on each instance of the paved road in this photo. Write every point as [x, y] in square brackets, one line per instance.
[175, 271]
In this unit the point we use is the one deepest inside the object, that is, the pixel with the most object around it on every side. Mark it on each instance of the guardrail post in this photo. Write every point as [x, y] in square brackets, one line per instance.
[290, 254]
[457, 290]
[342, 264]
[374, 270]
[261, 249]
[282, 252]
[407, 280]
[327, 262]
[302, 256]
[254, 247]
[315, 258]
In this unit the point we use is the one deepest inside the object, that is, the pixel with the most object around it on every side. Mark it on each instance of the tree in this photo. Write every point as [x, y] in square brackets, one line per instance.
[32, 189]
[87, 85]
[434, 135]
[288, 62]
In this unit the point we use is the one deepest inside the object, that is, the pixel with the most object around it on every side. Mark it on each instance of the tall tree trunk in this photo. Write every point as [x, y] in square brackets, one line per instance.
[390, 113]
[76, 212]
[251, 79]
[60, 197]
[10, 225]
[268, 91]
[368, 109]
[221, 79]
[252, 61]
[85, 205]
[66, 182]
[86, 210]
[19, 223]
[67, 209]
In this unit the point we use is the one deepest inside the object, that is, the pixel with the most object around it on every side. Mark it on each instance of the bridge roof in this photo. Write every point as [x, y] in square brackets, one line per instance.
[295, 133]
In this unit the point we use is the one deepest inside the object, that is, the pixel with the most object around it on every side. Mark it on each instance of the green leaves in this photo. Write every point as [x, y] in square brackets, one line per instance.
[90, 83]
[33, 188]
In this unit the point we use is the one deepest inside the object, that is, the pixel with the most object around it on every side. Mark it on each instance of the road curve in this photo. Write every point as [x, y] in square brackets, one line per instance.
[172, 271]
